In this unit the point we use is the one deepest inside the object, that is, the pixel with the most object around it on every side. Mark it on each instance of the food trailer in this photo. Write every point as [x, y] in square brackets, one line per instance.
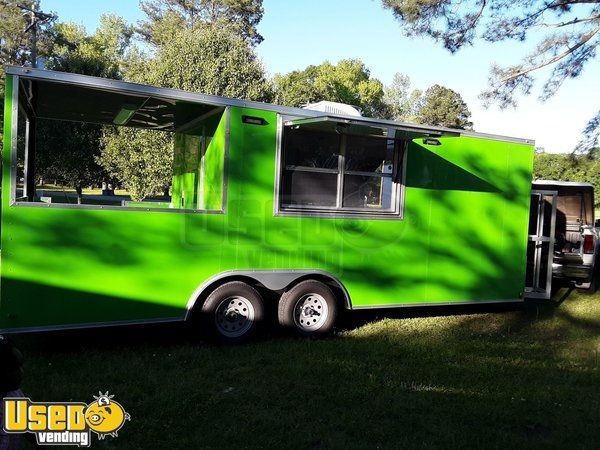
[292, 210]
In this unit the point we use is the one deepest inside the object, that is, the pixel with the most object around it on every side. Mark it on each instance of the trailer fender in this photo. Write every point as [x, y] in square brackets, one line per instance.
[274, 280]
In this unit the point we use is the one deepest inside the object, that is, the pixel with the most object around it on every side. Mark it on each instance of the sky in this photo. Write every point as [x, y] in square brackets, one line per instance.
[298, 33]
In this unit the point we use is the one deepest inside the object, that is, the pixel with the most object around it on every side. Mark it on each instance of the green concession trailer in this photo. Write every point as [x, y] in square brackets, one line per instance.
[300, 211]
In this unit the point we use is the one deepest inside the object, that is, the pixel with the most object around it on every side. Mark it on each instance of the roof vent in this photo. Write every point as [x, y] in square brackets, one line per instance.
[334, 108]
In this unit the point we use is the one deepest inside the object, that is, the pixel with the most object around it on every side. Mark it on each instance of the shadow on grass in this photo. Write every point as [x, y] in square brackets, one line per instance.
[180, 333]
[485, 376]
[513, 315]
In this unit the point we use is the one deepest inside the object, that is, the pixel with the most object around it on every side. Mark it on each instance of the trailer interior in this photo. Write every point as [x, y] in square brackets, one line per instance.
[49, 111]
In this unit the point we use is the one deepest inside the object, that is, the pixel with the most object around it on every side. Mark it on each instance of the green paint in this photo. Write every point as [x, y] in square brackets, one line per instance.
[462, 237]
[214, 160]
[197, 185]
[186, 169]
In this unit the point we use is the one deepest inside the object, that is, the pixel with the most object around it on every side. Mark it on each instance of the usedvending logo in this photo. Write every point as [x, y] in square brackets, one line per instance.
[65, 423]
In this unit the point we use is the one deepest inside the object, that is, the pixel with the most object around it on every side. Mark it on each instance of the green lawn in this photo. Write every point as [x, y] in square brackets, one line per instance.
[480, 377]
[70, 191]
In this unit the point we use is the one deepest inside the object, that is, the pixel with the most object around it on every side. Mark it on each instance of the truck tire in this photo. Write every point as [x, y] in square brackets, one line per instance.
[233, 313]
[309, 309]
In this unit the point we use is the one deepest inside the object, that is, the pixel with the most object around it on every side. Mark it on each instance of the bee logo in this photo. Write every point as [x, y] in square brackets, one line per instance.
[105, 416]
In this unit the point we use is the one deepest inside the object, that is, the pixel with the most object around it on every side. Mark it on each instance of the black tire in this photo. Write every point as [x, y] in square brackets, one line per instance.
[233, 313]
[301, 309]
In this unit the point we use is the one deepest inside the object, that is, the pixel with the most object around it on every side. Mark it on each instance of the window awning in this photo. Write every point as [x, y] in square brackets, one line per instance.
[60, 101]
[371, 127]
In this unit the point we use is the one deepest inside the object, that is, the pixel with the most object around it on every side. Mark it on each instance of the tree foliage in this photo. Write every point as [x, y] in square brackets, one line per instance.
[68, 151]
[349, 82]
[591, 135]
[140, 159]
[570, 37]
[209, 60]
[569, 167]
[165, 17]
[444, 107]
[100, 54]
[206, 60]
[402, 102]
[16, 42]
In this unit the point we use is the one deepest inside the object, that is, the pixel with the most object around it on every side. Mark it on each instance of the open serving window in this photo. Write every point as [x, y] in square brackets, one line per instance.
[105, 146]
[349, 167]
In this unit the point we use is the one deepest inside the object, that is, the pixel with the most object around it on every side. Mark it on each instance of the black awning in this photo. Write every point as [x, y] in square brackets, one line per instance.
[61, 101]
[370, 127]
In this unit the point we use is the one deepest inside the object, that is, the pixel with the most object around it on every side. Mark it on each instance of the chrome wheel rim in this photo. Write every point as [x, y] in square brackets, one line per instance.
[311, 312]
[234, 316]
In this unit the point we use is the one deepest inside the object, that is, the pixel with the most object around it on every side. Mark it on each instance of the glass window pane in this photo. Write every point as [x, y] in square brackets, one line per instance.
[368, 154]
[309, 148]
[308, 188]
[368, 192]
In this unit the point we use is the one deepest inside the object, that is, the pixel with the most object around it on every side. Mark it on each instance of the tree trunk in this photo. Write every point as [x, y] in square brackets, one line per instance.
[79, 191]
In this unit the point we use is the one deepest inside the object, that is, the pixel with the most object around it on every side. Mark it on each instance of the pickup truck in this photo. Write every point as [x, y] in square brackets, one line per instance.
[576, 234]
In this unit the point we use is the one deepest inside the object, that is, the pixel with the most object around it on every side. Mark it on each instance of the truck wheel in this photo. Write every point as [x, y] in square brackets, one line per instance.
[309, 308]
[232, 313]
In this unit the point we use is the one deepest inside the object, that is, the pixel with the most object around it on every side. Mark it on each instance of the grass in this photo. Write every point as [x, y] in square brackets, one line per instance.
[490, 377]
[90, 196]
[70, 191]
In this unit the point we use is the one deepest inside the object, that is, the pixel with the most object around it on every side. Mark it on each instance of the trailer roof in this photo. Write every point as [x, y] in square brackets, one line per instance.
[74, 81]
[573, 184]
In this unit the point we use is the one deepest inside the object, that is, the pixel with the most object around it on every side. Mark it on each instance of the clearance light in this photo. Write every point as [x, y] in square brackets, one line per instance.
[431, 141]
[254, 120]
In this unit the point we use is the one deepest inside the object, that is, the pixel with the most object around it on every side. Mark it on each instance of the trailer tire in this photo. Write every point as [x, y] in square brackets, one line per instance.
[309, 309]
[232, 314]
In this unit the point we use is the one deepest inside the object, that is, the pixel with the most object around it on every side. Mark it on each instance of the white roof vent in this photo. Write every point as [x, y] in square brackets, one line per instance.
[334, 108]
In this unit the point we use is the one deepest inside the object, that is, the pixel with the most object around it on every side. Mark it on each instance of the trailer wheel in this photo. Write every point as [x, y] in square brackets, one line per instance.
[233, 313]
[309, 308]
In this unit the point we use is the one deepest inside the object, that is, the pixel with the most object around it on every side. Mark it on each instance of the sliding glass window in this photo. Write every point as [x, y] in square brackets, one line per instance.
[327, 171]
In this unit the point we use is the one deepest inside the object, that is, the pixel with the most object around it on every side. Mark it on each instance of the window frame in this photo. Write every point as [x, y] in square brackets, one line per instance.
[16, 112]
[398, 193]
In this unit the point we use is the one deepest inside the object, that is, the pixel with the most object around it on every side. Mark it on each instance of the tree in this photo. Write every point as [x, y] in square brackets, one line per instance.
[16, 42]
[15, 48]
[140, 159]
[65, 152]
[570, 39]
[68, 151]
[437, 106]
[402, 103]
[165, 17]
[591, 136]
[569, 167]
[347, 82]
[209, 60]
[444, 107]
[100, 54]
[206, 60]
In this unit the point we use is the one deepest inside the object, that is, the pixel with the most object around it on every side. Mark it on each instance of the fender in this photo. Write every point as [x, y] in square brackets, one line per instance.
[275, 280]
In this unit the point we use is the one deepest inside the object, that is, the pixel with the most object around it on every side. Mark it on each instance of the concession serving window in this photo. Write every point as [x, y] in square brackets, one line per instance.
[334, 166]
